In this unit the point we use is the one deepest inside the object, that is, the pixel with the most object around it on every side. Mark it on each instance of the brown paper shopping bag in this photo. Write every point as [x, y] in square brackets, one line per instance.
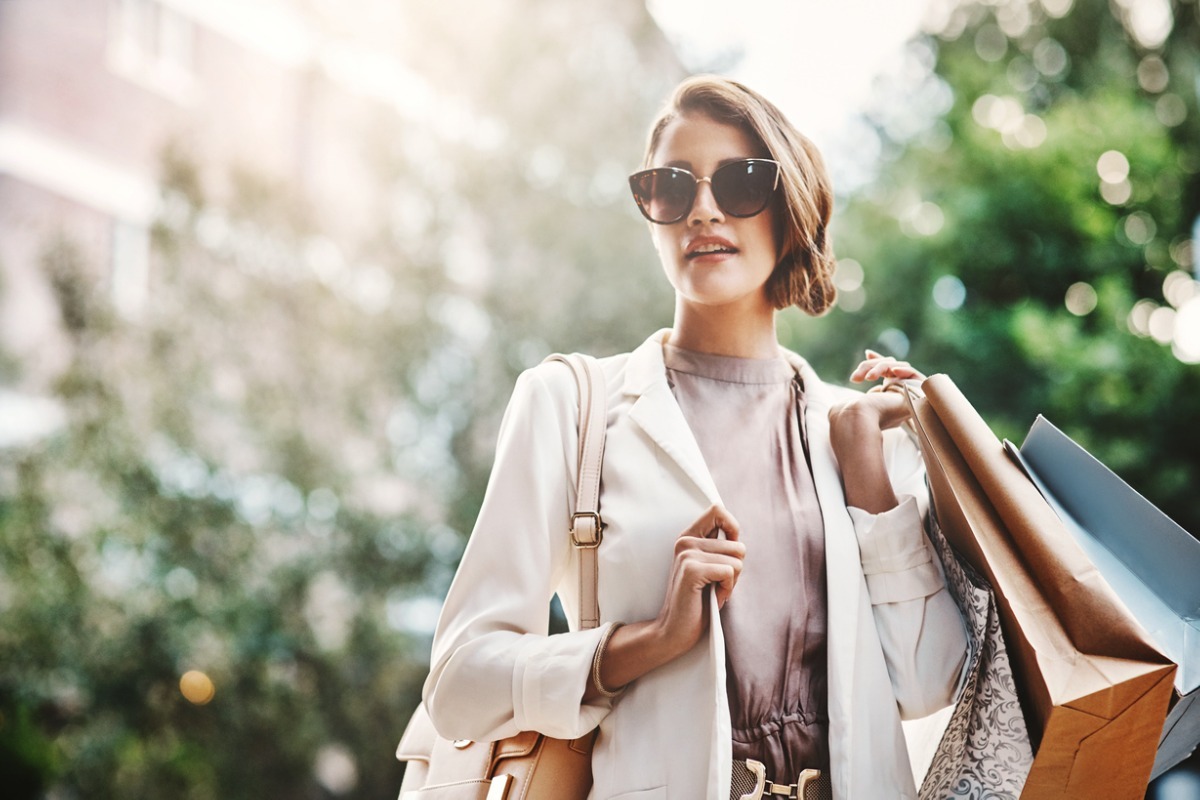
[1149, 560]
[1094, 689]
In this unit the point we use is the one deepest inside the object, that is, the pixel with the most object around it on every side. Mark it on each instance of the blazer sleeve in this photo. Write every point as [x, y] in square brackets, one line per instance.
[920, 627]
[495, 671]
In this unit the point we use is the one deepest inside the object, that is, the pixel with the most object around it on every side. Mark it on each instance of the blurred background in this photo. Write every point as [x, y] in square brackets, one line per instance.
[269, 268]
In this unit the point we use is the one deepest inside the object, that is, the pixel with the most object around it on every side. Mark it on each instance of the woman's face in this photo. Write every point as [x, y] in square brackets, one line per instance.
[711, 258]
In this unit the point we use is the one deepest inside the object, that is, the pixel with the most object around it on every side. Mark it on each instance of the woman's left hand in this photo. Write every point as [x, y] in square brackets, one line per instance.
[856, 431]
[882, 404]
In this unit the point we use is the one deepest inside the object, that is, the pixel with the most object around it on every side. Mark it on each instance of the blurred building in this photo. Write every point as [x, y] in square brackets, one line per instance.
[92, 95]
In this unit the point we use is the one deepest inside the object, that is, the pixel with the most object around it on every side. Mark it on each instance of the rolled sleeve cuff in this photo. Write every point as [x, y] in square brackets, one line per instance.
[896, 558]
[549, 682]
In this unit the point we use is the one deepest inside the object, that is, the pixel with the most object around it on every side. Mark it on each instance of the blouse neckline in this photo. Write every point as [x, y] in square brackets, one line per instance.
[728, 369]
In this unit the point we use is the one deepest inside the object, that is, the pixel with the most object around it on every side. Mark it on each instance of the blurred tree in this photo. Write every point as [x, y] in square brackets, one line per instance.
[1034, 212]
[266, 479]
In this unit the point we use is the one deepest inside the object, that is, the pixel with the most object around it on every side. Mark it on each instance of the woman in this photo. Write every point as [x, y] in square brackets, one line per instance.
[729, 464]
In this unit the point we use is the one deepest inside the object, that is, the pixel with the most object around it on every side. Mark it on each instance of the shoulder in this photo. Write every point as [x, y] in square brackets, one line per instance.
[550, 386]
[555, 376]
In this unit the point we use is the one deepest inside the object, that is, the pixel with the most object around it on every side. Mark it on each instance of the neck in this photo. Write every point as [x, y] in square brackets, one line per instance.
[722, 332]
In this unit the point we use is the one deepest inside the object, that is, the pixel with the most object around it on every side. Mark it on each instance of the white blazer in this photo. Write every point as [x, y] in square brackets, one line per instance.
[896, 642]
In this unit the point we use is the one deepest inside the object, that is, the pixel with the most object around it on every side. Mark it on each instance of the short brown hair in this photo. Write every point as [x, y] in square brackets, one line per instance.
[803, 274]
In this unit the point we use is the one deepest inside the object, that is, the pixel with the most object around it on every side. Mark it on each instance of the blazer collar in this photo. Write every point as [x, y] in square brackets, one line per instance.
[657, 412]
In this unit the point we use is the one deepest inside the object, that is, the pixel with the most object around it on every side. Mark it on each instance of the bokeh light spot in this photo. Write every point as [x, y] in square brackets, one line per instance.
[895, 342]
[180, 583]
[1081, 299]
[1031, 132]
[1182, 252]
[1179, 288]
[1112, 166]
[1140, 228]
[849, 275]
[949, 292]
[1050, 58]
[1116, 194]
[1139, 317]
[1162, 324]
[927, 219]
[1170, 110]
[1152, 74]
[1186, 341]
[1149, 21]
[1057, 8]
[853, 301]
[335, 769]
[990, 43]
[197, 687]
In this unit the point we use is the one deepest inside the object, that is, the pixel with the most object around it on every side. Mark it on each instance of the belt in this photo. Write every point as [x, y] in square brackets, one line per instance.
[750, 783]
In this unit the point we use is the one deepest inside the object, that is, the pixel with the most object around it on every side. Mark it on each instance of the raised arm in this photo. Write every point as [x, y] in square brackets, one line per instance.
[921, 630]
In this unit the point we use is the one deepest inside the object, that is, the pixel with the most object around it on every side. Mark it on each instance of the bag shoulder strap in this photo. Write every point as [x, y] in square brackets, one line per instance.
[587, 528]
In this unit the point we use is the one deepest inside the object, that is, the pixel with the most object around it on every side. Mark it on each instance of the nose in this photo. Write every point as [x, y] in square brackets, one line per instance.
[704, 207]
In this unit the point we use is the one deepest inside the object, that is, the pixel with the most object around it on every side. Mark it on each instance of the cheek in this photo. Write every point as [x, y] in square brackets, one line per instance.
[769, 234]
[665, 242]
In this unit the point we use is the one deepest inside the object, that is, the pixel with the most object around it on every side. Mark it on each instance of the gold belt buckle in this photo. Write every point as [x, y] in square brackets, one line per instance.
[767, 789]
[760, 780]
[806, 777]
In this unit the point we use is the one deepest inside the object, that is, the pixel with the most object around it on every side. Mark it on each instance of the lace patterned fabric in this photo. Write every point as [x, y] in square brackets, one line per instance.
[985, 750]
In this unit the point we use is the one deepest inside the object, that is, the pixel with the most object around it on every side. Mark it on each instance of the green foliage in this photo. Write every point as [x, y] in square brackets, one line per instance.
[1020, 223]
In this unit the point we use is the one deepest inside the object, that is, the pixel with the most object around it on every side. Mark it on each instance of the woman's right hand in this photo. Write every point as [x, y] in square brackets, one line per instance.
[702, 559]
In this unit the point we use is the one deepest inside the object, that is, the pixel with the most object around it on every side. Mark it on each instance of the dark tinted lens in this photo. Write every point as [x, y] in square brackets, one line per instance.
[744, 188]
[664, 195]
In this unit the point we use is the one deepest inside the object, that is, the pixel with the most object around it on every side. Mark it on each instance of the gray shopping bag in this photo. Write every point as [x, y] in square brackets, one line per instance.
[1151, 563]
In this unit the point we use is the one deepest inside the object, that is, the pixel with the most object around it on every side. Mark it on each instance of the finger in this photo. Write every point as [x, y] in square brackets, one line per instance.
[713, 522]
[720, 547]
[863, 371]
[901, 374]
[900, 370]
[724, 590]
[703, 569]
[885, 367]
[860, 372]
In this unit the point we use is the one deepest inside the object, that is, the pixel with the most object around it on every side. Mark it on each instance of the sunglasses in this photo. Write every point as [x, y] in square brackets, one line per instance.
[741, 188]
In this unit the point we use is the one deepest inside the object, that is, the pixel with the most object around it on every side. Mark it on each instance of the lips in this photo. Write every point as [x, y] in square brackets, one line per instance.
[708, 246]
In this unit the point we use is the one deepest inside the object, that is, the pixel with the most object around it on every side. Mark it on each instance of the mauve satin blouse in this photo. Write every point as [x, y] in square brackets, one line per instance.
[746, 415]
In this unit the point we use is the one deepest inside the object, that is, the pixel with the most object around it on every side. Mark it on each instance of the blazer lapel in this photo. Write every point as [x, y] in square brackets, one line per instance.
[843, 570]
[657, 413]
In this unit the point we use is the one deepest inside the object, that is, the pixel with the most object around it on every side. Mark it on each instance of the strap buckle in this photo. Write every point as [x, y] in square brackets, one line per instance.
[597, 527]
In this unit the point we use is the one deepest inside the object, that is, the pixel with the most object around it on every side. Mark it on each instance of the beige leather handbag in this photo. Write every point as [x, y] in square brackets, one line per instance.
[530, 765]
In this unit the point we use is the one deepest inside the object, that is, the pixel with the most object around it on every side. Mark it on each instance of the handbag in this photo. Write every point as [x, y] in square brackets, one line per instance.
[984, 750]
[529, 765]
[1093, 689]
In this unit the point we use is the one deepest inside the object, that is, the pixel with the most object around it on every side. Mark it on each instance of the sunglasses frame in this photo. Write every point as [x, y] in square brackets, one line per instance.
[637, 176]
